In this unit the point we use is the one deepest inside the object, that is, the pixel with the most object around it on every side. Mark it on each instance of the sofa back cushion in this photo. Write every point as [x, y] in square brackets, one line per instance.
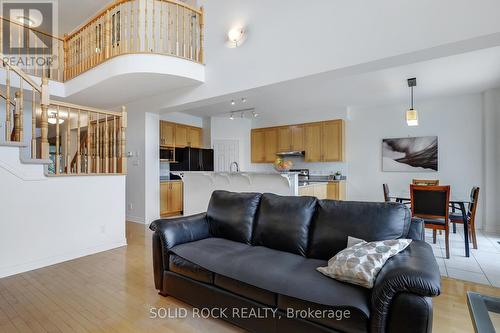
[370, 221]
[231, 215]
[283, 223]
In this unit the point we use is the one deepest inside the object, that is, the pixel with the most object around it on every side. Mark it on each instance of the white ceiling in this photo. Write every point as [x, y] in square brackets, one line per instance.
[471, 72]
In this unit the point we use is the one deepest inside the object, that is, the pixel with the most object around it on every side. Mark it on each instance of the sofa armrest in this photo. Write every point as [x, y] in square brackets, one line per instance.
[417, 229]
[413, 271]
[171, 232]
[181, 230]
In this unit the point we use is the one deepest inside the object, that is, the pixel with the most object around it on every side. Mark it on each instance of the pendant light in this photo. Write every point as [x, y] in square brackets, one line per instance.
[411, 113]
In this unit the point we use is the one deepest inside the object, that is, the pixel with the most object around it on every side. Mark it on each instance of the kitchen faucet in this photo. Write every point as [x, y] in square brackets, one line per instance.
[237, 167]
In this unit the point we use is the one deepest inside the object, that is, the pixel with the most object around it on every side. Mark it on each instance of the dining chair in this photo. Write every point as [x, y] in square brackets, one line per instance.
[431, 203]
[386, 193]
[457, 217]
[426, 182]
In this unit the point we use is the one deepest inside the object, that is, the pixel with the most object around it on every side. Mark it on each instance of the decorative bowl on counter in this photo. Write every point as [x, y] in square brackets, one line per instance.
[281, 165]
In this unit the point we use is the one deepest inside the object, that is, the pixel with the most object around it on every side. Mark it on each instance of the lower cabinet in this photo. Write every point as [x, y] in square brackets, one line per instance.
[330, 190]
[171, 198]
[316, 190]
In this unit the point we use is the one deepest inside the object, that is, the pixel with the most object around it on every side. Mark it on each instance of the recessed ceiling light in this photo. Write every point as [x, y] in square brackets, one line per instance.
[233, 102]
[255, 114]
[231, 116]
[243, 100]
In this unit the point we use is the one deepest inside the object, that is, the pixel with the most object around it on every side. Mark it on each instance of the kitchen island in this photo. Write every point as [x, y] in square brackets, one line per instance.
[198, 186]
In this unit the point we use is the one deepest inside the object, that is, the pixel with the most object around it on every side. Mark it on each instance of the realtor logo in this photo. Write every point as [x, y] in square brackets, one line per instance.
[27, 32]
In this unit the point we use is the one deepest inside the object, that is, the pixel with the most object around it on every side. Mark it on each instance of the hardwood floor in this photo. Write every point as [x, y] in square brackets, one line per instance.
[113, 291]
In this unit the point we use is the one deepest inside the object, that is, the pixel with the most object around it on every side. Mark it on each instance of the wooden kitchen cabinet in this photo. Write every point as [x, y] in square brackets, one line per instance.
[322, 141]
[257, 146]
[167, 134]
[297, 134]
[314, 190]
[264, 145]
[270, 145]
[194, 137]
[284, 139]
[332, 141]
[313, 139]
[171, 198]
[336, 190]
[181, 136]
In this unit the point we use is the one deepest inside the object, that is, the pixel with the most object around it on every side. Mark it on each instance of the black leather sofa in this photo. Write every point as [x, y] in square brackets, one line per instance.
[252, 252]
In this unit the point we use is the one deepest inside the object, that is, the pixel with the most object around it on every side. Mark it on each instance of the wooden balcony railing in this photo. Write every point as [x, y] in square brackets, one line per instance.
[87, 140]
[165, 27]
[77, 139]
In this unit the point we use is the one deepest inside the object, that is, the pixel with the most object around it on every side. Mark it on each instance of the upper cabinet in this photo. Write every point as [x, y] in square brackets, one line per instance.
[321, 141]
[313, 139]
[167, 134]
[333, 141]
[290, 138]
[264, 145]
[180, 136]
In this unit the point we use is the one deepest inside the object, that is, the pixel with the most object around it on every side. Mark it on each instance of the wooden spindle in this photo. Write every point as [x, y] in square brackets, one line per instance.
[67, 151]
[7, 103]
[146, 26]
[106, 145]
[113, 146]
[122, 160]
[78, 145]
[17, 117]
[202, 22]
[88, 143]
[98, 150]
[58, 143]
[177, 29]
[21, 110]
[44, 124]
[153, 28]
[33, 124]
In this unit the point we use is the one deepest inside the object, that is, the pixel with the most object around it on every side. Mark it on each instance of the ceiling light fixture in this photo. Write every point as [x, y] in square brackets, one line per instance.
[235, 37]
[52, 118]
[25, 21]
[233, 102]
[231, 116]
[243, 100]
[411, 113]
[255, 114]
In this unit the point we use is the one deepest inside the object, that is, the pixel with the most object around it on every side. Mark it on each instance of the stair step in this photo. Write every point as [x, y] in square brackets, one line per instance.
[13, 144]
[35, 161]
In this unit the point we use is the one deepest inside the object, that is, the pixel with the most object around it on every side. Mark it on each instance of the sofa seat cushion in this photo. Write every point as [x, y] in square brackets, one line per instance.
[332, 317]
[184, 267]
[246, 290]
[276, 271]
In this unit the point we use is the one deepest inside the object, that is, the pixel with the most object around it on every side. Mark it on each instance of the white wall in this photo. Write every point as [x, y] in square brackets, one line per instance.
[491, 153]
[47, 220]
[457, 121]
[136, 172]
[182, 118]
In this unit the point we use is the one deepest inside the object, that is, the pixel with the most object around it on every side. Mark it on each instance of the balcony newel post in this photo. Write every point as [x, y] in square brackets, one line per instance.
[44, 119]
[122, 162]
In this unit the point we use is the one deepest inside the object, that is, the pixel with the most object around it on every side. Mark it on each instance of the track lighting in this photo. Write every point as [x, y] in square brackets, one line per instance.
[232, 116]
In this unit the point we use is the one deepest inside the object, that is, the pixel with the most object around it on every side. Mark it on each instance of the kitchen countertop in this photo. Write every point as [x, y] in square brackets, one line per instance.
[317, 182]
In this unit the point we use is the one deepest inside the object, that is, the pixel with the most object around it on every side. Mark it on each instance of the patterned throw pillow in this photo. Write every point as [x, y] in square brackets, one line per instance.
[361, 263]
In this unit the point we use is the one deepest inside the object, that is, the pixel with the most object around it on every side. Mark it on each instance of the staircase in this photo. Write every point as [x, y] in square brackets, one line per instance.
[71, 139]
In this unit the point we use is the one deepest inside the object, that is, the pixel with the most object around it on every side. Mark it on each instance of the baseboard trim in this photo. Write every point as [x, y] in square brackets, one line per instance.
[135, 219]
[49, 261]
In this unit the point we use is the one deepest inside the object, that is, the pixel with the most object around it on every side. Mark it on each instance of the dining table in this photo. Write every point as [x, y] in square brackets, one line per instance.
[455, 201]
